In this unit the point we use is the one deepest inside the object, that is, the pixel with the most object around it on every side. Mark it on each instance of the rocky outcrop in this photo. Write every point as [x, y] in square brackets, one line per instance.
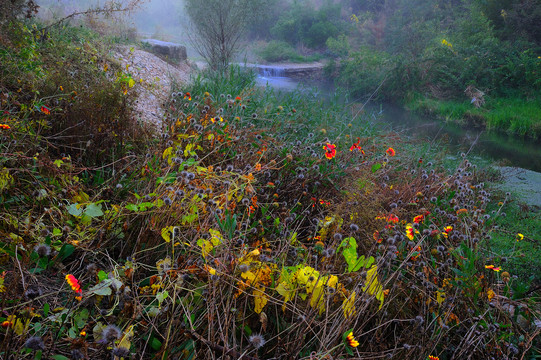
[171, 50]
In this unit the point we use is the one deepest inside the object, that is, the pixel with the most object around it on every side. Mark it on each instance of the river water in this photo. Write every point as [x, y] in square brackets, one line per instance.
[498, 147]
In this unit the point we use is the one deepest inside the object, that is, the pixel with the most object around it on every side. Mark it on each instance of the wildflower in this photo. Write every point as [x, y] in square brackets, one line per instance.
[75, 286]
[356, 146]
[490, 294]
[330, 151]
[410, 232]
[45, 110]
[6, 324]
[492, 267]
[5, 126]
[432, 357]
[390, 151]
[238, 98]
[351, 341]
[35, 343]
[257, 340]
[419, 219]
[188, 96]
[520, 236]
[446, 231]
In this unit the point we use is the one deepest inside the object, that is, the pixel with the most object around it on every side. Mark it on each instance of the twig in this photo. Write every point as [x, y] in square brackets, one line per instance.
[219, 348]
[20, 269]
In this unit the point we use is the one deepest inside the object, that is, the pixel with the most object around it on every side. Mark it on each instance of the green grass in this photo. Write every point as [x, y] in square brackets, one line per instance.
[513, 115]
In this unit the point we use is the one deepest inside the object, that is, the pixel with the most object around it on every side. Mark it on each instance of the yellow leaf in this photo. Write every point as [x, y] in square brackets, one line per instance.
[440, 297]
[260, 300]
[125, 341]
[167, 232]
[131, 83]
[167, 152]
[19, 326]
[317, 298]
[210, 269]
[349, 306]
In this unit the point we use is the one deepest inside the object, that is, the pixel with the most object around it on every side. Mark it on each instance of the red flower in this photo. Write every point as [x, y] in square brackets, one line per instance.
[75, 286]
[5, 126]
[390, 151]
[330, 151]
[45, 110]
[432, 357]
[238, 98]
[188, 96]
[419, 219]
[356, 146]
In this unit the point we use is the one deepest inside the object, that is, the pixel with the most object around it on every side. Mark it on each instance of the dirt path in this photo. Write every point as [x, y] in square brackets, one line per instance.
[157, 78]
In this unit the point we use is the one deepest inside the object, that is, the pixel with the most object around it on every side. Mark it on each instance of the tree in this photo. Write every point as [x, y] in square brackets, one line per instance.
[219, 25]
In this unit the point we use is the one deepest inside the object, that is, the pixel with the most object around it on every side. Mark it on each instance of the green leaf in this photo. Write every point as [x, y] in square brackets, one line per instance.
[102, 289]
[102, 275]
[155, 344]
[59, 357]
[75, 210]
[376, 167]
[161, 296]
[93, 210]
[132, 207]
[46, 308]
[81, 318]
[65, 251]
[57, 232]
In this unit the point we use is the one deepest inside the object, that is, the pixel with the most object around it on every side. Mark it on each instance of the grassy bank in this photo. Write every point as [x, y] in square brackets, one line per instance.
[252, 223]
[512, 115]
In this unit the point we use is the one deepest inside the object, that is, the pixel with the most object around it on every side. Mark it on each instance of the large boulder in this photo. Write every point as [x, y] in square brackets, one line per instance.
[171, 50]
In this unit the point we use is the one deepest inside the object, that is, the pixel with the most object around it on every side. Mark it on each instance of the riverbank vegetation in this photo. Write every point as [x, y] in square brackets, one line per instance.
[471, 61]
[251, 223]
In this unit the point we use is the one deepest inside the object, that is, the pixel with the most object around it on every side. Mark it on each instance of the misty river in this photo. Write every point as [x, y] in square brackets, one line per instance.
[504, 149]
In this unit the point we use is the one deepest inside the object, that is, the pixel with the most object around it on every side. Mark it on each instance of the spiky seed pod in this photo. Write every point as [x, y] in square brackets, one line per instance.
[257, 341]
[35, 343]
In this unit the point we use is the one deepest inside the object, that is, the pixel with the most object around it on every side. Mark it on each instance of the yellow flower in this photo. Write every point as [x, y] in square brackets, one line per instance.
[520, 237]
[351, 340]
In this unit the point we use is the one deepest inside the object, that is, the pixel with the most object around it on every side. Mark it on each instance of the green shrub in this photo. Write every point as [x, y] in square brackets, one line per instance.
[339, 46]
[276, 51]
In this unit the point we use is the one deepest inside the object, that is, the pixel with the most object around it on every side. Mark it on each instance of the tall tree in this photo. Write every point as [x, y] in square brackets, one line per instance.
[219, 25]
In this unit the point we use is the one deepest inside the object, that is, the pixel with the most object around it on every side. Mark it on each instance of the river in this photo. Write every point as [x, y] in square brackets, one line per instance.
[498, 147]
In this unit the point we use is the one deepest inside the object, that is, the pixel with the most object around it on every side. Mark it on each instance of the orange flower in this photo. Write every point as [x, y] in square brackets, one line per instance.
[492, 267]
[6, 324]
[432, 357]
[330, 151]
[446, 231]
[377, 237]
[351, 340]
[45, 110]
[5, 126]
[238, 98]
[390, 151]
[410, 233]
[188, 96]
[356, 146]
[419, 219]
[75, 286]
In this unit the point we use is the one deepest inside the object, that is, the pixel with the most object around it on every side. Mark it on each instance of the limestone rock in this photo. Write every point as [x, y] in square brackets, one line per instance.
[171, 50]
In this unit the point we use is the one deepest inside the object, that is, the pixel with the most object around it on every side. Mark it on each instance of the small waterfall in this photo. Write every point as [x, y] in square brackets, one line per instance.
[271, 71]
